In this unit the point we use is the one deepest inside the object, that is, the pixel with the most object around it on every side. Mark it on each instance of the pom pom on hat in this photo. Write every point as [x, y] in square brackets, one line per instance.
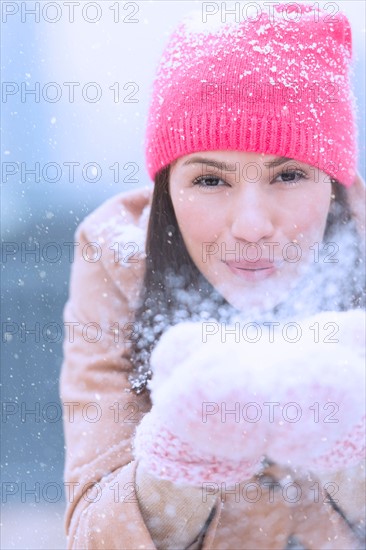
[278, 84]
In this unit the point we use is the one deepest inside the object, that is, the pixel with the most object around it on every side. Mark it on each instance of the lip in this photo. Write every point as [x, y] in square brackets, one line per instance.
[253, 271]
[254, 264]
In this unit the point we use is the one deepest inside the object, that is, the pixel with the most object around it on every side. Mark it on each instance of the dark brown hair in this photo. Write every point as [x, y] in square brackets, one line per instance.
[175, 290]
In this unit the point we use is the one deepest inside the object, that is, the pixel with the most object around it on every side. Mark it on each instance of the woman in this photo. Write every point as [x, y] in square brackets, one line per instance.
[249, 168]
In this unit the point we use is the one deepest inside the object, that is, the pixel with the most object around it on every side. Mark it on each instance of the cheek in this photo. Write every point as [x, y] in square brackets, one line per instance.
[199, 223]
[309, 218]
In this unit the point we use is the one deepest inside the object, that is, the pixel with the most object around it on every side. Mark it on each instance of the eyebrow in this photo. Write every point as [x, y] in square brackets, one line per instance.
[230, 167]
[277, 162]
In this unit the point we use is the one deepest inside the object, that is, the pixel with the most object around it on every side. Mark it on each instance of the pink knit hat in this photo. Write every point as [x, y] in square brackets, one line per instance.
[276, 84]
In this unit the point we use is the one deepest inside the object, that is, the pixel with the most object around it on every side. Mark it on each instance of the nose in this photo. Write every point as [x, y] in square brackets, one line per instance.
[252, 213]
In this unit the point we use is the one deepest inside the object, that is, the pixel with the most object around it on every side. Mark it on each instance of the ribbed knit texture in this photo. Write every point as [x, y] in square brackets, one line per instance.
[166, 456]
[270, 86]
[209, 420]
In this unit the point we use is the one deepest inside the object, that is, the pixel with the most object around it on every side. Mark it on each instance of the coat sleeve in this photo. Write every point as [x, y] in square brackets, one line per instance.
[100, 413]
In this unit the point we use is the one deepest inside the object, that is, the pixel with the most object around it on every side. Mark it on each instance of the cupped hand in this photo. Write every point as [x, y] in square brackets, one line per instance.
[300, 403]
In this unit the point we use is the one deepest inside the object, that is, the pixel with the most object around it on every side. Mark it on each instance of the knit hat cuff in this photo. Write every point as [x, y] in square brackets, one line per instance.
[205, 132]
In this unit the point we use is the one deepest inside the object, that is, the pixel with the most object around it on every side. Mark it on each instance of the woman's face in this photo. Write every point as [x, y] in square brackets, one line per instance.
[251, 222]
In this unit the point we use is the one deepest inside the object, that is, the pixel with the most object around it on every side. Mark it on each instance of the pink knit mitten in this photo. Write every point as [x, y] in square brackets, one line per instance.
[220, 406]
[173, 454]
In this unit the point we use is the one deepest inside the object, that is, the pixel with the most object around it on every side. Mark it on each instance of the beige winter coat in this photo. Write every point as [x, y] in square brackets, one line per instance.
[100, 416]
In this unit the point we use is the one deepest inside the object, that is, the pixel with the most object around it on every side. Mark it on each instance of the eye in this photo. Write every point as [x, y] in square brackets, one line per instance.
[208, 182]
[290, 176]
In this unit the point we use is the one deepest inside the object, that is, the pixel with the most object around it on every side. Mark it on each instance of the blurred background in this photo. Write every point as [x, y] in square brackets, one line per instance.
[76, 79]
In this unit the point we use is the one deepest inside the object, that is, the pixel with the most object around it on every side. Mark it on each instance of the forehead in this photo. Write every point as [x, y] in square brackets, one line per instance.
[227, 159]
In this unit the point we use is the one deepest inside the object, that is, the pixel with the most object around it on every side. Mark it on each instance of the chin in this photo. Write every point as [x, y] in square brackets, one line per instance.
[252, 305]
[261, 298]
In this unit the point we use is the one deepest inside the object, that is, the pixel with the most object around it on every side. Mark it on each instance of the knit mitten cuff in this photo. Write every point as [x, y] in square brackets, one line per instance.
[166, 456]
